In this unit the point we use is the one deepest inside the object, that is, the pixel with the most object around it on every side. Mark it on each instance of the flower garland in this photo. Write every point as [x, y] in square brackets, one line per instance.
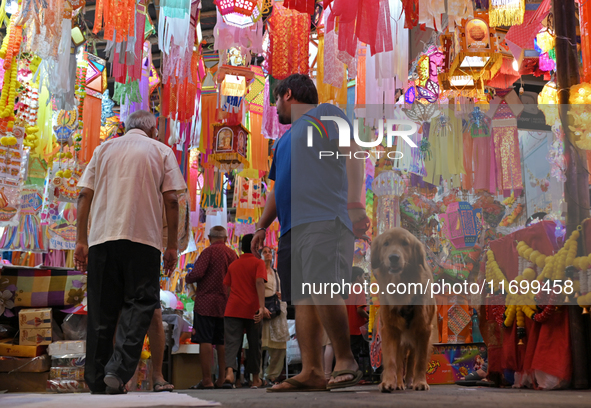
[80, 95]
[510, 219]
[9, 94]
[524, 303]
[11, 44]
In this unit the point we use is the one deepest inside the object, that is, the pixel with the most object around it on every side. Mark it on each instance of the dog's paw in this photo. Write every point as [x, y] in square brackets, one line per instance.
[400, 386]
[388, 385]
[421, 386]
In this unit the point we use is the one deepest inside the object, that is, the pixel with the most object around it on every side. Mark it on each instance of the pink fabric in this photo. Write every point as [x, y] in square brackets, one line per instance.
[484, 164]
[334, 69]
[248, 39]
[523, 35]
[272, 129]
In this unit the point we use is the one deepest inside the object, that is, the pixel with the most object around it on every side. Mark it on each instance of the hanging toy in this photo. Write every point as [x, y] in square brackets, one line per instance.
[66, 125]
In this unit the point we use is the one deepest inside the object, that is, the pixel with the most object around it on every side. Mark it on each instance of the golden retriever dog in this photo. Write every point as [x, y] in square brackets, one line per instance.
[398, 261]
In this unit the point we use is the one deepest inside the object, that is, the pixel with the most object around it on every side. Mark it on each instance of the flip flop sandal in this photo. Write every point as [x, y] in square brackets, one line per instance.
[162, 386]
[199, 386]
[297, 387]
[484, 383]
[227, 386]
[357, 376]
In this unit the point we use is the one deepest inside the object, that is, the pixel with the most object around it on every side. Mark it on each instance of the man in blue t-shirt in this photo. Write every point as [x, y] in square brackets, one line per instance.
[317, 198]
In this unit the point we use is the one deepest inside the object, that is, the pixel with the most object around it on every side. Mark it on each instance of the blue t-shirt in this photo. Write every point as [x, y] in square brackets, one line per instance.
[309, 188]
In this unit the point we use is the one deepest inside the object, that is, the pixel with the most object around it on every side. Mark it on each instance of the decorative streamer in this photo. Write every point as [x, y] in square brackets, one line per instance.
[506, 12]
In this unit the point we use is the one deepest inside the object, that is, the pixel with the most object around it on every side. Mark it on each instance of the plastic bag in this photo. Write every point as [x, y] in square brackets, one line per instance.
[74, 327]
[279, 330]
[294, 356]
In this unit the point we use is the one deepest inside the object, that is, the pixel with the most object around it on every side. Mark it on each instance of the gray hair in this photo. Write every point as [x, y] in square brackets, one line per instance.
[218, 232]
[140, 120]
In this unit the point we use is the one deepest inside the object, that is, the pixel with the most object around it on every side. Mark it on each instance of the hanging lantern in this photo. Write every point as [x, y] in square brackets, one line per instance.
[239, 13]
[421, 113]
[229, 146]
[473, 55]
[506, 12]
[96, 74]
[548, 102]
[233, 86]
[388, 186]
[580, 111]
[462, 224]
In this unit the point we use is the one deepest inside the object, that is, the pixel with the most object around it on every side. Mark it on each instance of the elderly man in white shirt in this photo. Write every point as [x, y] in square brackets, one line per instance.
[124, 188]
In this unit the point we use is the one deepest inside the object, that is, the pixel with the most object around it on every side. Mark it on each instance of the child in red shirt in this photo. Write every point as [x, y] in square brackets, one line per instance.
[244, 311]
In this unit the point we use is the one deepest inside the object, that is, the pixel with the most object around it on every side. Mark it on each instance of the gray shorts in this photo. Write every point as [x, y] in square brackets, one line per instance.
[319, 253]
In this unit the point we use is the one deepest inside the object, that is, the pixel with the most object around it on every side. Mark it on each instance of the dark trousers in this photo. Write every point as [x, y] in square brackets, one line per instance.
[234, 333]
[357, 344]
[123, 283]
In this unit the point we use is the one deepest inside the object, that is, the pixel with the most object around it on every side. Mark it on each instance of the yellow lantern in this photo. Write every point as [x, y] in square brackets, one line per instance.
[580, 97]
[548, 102]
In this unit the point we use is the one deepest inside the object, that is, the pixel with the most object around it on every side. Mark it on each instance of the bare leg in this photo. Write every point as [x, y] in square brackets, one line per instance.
[206, 357]
[328, 359]
[230, 375]
[157, 345]
[221, 350]
[336, 323]
[309, 338]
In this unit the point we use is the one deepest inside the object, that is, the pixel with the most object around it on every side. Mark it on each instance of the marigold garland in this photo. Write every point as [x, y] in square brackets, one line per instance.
[525, 304]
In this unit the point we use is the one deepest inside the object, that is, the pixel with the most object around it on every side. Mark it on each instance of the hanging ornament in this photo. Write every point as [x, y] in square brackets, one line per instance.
[106, 108]
[506, 12]
[548, 103]
[388, 186]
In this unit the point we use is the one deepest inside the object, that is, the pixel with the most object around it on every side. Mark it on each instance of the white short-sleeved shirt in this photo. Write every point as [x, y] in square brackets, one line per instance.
[128, 176]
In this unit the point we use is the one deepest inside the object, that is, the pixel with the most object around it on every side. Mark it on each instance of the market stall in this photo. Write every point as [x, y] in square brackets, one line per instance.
[494, 186]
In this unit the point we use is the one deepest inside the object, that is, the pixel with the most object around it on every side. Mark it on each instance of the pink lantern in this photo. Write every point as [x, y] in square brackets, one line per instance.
[239, 13]
[462, 224]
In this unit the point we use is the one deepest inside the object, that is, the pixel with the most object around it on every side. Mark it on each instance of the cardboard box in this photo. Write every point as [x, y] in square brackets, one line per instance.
[60, 348]
[67, 386]
[39, 364]
[450, 362]
[9, 349]
[35, 337]
[186, 370]
[67, 373]
[69, 360]
[34, 318]
[24, 382]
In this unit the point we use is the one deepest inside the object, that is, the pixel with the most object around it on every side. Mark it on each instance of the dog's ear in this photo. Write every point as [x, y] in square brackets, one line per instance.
[376, 247]
[419, 254]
